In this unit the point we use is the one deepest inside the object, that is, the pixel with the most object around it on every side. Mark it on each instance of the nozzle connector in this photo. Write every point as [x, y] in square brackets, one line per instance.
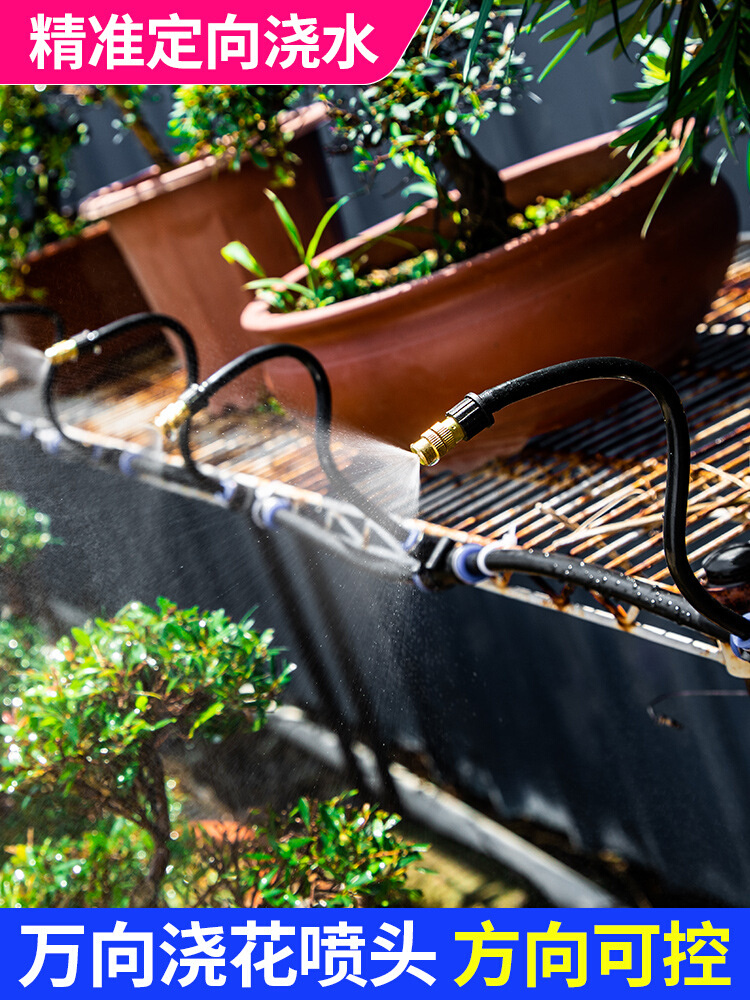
[172, 417]
[62, 351]
[461, 423]
[437, 441]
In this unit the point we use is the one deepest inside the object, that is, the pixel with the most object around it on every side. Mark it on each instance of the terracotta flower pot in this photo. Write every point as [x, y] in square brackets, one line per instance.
[86, 280]
[171, 226]
[587, 285]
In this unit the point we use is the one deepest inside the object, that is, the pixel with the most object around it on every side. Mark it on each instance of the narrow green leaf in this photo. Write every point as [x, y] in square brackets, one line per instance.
[725, 74]
[303, 807]
[216, 709]
[291, 286]
[237, 253]
[659, 199]
[288, 223]
[561, 54]
[618, 28]
[312, 247]
[484, 13]
[434, 24]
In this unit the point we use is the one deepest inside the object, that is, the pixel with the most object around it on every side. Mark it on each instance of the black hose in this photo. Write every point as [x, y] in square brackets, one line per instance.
[198, 396]
[88, 340]
[678, 458]
[30, 309]
[609, 583]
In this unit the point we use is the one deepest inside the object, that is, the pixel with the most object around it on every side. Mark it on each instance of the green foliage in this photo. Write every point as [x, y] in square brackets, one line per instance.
[21, 650]
[286, 296]
[38, 130]
[321, 854]
[328, 854]
[100, 868]
[83, 729]
[546, 210]
[93, 720]
[336, 854]
[456, 73]
[23, 532]
[235, 120]
[695, 58]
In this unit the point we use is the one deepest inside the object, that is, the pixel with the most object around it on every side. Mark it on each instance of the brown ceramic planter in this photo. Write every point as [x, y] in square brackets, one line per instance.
[171, 226]
[86, 280]
[587, 285]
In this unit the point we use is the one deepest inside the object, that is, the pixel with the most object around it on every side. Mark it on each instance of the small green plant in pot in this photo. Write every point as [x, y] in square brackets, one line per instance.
[468, 282]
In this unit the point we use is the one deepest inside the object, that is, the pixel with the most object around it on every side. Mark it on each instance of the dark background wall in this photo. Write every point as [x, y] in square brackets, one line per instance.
[540, 715]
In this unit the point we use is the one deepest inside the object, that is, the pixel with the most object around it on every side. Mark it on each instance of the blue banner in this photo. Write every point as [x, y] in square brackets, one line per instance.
[398, 953]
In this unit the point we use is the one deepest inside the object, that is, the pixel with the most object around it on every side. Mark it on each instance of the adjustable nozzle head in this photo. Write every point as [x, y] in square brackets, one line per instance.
[437, 441]
[62, 351]
[461, 423]
[172, 417]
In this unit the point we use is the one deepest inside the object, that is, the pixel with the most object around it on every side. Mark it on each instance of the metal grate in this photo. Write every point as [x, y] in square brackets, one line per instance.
[595, 491]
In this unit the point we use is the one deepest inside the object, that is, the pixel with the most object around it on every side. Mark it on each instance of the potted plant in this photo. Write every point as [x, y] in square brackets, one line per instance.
[504, 299]
[171, 221]
[165, 226]
[47, 254]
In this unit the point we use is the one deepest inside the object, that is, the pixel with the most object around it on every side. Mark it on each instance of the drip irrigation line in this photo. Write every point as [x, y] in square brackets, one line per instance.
[197, 397]
[476, 412]
[608, 583]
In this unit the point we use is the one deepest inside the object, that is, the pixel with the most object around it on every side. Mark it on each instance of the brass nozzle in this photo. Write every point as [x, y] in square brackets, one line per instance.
[172, 417]
[437, 441]
[63, 350]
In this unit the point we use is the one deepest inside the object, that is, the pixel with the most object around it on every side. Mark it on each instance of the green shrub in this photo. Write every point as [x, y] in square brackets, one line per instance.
[93, 721]
[23, 532]
[327, 854]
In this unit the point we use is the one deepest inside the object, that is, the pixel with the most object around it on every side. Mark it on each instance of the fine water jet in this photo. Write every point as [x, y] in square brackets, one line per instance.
[331, 523]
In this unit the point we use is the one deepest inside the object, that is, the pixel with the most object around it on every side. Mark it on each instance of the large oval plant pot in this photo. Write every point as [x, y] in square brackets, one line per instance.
[171, 226]
[85, 280]
[587, 285]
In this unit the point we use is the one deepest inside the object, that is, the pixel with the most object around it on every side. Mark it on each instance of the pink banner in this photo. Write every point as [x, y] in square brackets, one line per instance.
[332, 41]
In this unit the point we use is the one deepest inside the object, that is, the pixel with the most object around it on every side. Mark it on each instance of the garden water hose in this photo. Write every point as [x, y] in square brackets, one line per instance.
[476, 412]
[87, 341]
[176, 418]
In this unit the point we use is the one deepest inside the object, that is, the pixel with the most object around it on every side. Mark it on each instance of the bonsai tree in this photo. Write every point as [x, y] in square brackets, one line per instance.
[90, 725]
[41, 129]
[695, 59]
[455, 75]
[96, 717]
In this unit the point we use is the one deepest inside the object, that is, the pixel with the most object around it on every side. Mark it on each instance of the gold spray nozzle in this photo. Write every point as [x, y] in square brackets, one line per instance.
[62, 351]
[172, 417]
[437, 441]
